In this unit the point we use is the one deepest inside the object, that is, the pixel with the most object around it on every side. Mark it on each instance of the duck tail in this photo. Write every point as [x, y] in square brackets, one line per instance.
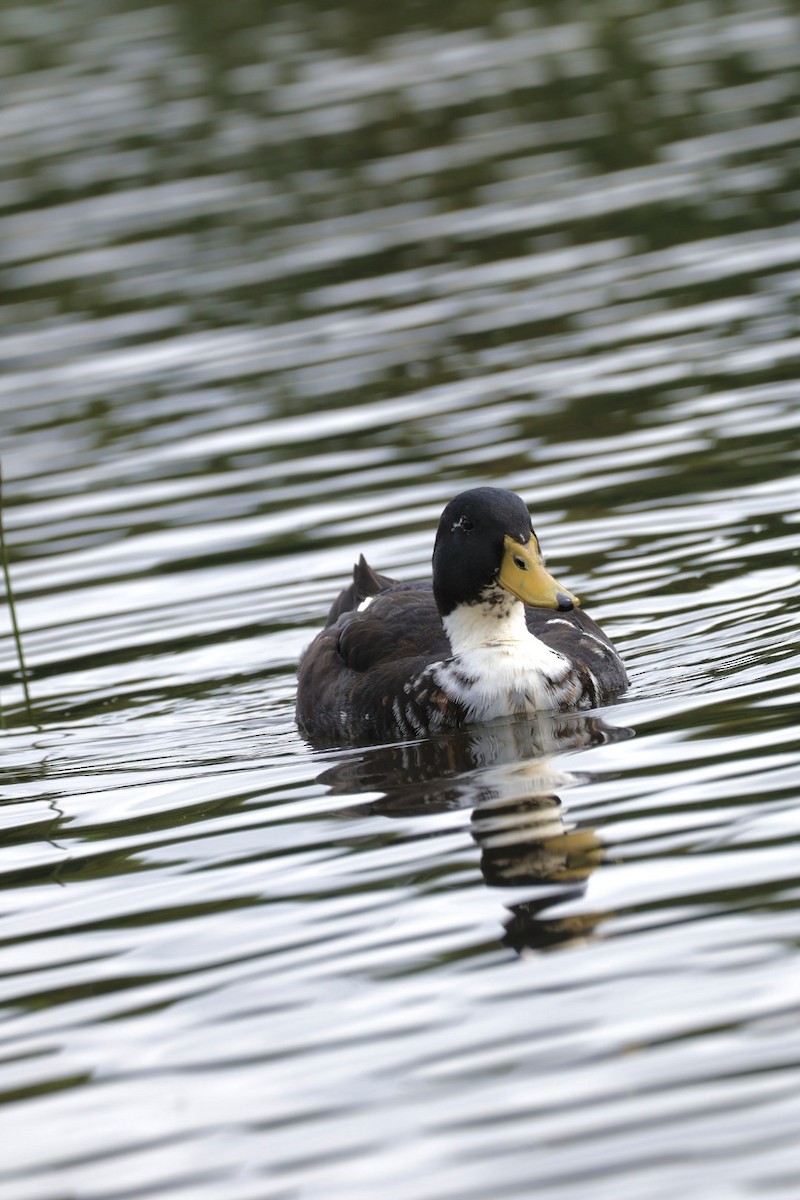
[366, 582]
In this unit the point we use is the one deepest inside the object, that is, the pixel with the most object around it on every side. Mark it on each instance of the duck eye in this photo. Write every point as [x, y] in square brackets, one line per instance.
[463, 523]
[520, 562]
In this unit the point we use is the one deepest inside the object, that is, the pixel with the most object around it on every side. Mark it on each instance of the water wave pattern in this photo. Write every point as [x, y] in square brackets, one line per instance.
[274, 293]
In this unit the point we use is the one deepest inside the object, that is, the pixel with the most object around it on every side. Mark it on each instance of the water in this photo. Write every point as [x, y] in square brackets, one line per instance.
[277, 287]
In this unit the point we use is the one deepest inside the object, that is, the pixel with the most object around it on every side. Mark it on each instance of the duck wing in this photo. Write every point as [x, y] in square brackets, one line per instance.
[380, 635]
[400, 624]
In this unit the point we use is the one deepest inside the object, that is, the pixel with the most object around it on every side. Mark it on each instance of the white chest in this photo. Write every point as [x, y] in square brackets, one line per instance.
[498, 668]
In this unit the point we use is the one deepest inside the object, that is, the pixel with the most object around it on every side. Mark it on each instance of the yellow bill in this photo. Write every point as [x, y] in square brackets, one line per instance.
[523, 573]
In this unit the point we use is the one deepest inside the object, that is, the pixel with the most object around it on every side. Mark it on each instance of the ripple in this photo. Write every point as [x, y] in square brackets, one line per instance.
[277, 287]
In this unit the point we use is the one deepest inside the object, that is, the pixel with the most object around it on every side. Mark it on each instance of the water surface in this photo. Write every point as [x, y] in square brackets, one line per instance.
[277, 287]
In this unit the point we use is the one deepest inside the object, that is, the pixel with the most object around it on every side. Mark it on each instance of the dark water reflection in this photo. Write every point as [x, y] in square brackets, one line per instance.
[508, 776]
[277, 283]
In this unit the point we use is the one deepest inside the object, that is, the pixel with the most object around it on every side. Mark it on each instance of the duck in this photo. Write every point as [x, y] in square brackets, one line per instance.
[491, 635]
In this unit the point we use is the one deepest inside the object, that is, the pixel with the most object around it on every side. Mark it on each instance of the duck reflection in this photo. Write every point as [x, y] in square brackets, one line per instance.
[509, 776]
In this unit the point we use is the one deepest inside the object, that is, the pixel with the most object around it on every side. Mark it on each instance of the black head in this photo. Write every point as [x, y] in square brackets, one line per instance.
[484, 541]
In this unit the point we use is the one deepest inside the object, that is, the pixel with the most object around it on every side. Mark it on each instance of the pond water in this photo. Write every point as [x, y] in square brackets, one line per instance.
[278, 283]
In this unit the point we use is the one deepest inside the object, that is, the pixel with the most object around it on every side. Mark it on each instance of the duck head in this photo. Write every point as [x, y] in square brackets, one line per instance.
[485, 546]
